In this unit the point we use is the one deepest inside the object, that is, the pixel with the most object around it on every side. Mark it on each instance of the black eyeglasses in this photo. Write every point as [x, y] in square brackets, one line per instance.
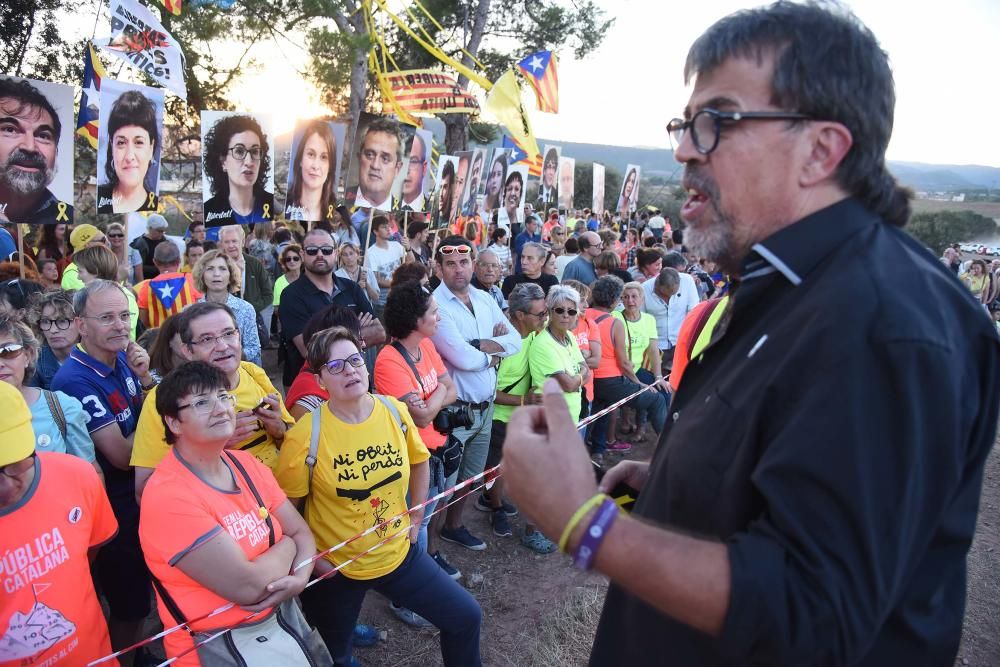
[706, 125]
[293, 258]
[240, 152]
[18, 468]
[61, 323]
[336, 366]
[327, 250]
[559, 310]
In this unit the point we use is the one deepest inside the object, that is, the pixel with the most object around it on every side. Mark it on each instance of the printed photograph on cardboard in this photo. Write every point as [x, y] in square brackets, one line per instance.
[413, 180]
[129, 141]
[36, 151]
[514, 193]
[566, 179]
[547, 195]
[496, 176]
[461, 183]
[629, 195]
[598, 194]
[238, 178]
[376, 160]
[474, 182]
[314, 170]
[445, 191]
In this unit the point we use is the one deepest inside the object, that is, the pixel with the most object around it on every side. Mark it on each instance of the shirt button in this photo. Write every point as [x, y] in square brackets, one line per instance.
[675, 416]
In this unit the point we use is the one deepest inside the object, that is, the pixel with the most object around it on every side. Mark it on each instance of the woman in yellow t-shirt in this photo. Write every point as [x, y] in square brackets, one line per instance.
[368, 458]
[976, 280]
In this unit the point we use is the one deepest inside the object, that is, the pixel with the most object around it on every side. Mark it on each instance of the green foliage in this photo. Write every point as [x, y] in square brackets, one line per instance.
[939, 229]
[329, 68]
[484, 133]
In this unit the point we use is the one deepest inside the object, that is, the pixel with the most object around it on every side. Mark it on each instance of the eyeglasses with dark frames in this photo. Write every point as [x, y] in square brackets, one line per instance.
[559, 310]
[337, 366]
[327, 250]
[61, 323]
[18, 468]
[706, 125]
[240, 152]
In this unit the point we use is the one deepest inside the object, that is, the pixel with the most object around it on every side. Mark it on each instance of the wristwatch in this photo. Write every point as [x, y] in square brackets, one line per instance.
[474, 343]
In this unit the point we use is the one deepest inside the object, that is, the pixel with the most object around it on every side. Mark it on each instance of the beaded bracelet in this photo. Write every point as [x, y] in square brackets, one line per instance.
[594, 535]
[577, 517]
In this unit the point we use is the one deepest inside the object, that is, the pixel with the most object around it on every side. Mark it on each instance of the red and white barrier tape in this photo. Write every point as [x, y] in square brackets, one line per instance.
[443, 494]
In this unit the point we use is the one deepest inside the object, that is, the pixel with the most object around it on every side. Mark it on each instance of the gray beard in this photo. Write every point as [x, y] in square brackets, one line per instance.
[715, 242]
[26, 182]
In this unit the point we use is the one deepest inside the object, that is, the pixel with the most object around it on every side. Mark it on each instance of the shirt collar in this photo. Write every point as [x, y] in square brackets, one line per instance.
[98, 367]
[796, 250]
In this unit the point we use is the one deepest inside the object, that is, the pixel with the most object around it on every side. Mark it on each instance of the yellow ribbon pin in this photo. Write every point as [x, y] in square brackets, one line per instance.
[267, 211]
[262, 511]
[329, 212]
[61, 215]
[152, 200]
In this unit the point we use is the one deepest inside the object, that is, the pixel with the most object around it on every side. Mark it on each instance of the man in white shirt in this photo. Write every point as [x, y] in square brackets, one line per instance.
[384, 257]
[659, 294]
[472, 336]
[570, 251]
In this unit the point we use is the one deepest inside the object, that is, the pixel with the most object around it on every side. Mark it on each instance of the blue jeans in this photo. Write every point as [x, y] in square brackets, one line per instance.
[333, 605]
[645, 376]
[435, 487]
[612, 390]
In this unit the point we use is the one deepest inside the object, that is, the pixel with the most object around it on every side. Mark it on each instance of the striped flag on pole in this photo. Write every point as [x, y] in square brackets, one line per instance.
[90, 101]
[540, 71]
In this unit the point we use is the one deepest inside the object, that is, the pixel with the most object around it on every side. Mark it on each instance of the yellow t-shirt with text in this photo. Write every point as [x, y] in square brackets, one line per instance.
[360, 479]
[150, 446]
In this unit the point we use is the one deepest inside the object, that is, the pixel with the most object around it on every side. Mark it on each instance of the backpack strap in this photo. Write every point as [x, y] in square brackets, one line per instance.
[256, 495]
[57, 412]
[602, 318]
[409, 362]
[170, 603]
[313, 444]
[391, 407]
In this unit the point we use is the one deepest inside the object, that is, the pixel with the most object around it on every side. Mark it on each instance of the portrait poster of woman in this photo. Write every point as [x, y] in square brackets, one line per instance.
[314, 170]
[598, 204]
[494, 180]
[629, 195]
[237, 178]
[514, 192]
[129, 143]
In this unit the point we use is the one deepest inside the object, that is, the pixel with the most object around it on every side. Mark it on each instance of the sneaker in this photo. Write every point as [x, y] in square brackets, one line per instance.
[619, 446]
[483, 505]
[463, 537]
[365, 635]
[448, 568]
[410, 617]
[501, 525]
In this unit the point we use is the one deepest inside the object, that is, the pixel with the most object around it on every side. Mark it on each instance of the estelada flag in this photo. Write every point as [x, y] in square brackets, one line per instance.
[90, 102]
[173, 6]
[540, 71]
[518, 156]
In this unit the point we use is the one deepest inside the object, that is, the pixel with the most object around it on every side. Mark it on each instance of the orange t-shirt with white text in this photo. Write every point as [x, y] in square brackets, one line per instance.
[393, 377]
[49, 613]
[179, 512]
[585, 332]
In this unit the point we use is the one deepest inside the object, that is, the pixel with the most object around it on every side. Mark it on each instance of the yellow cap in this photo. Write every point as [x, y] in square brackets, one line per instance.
[17, 438]
[81, 235]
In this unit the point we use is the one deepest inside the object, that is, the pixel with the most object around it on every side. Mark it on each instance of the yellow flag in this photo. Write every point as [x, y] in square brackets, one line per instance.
[504, 102]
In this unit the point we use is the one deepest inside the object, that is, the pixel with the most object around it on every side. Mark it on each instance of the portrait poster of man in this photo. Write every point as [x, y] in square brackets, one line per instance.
[461, 183]
[474, 182]
[128, 147]
[413, 180]
[494, 181]
[514, 192]
[548, 186]
[376, 159]
[314, 170]
[598, 204]
[36, 151]
[567, 165]
[629, 196]
[238, 176]
[445, 190]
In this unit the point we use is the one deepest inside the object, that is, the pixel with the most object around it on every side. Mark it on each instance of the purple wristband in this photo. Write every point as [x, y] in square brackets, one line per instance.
[594, 535]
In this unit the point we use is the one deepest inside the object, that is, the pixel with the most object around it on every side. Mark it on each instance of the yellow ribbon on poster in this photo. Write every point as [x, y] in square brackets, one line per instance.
[61, 212]
[267, 211]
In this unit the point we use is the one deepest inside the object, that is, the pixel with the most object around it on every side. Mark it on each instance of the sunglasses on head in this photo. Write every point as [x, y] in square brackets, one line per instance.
[327, 250]
[559, 310]
[451, 249]
[11, 350]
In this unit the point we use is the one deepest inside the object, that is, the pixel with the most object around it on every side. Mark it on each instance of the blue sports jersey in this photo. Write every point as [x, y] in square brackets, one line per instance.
[108, 395]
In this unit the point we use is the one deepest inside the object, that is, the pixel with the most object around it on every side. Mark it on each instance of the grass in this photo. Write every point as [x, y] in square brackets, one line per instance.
[565, 635]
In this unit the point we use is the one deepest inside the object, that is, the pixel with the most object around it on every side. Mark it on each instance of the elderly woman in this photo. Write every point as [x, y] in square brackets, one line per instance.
[130, 163]
[527, 312]
[615, 377]
[350, 267]
[129, 259]
[58, 420]
[217, 277]
[588, 339]
[52, 314]
[237, 163]
[370, 462]
[216, 529]
[555, 353]
[640, 341]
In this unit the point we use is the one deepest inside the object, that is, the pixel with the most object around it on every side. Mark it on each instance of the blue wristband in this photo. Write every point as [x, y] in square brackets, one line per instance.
[594, 535]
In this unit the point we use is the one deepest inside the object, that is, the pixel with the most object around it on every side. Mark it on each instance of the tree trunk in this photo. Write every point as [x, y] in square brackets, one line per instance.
[359, 82]
[456, 125]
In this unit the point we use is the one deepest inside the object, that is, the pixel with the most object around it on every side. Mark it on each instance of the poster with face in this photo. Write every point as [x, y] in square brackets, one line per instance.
[514, 192]
[36, 151]
[496, 176]
[548, 187]
[237, 179]
[376, 160]
[413, 181]
[629, 195]
[598, 204]
[461, 183]
[314, 170]
[447, 164]
[474, 182]
[566, 167]
[128, 147]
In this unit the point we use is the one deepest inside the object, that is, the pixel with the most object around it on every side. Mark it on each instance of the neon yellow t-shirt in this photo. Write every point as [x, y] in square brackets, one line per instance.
[150, 446]
[360, 479]
[513, 377]
[549, 357]
[279, 286]
[638, 334]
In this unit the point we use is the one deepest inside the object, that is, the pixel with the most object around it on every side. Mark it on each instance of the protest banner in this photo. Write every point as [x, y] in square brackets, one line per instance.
[413, 181]
[429, 92]
[138, 38]
[377, 158]
[314, 170]
[445, 191]
[566, 180]
[237, 179]
[629, 194]
[598, 204]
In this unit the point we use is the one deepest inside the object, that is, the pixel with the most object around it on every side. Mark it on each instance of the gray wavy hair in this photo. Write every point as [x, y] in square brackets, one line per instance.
[559, 293]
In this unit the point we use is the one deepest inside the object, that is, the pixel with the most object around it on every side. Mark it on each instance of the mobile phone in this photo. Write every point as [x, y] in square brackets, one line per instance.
[263, 405]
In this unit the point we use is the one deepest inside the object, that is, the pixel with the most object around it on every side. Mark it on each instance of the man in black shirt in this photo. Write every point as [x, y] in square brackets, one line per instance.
[315, 289]
[532, 260]
[814, 492]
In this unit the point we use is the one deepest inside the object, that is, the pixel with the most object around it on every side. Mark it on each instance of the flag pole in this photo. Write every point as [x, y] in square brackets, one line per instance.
[20, 249]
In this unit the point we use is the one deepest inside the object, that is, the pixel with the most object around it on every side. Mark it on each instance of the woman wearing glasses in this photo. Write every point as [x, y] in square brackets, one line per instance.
[58, 420]
[555, 352]
[130, 170]
[237, 165]
[215, 528]
[217, 277]
[129, 259]
[52, 314]
[369, 459]
[350, 268]
[290, 261]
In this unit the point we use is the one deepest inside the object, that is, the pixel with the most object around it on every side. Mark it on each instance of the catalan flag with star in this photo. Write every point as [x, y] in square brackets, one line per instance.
[90, 101]
[165, 295]
[518, 156]
[540, 71]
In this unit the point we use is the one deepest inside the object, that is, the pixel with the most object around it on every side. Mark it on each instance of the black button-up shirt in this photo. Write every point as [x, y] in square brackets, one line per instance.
[833, 437]
[301, 300]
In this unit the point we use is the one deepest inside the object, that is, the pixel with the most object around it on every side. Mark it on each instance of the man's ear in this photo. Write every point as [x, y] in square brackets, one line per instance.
[829, 143]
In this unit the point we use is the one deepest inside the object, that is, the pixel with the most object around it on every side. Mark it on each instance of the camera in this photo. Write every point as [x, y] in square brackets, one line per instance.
[452, 417]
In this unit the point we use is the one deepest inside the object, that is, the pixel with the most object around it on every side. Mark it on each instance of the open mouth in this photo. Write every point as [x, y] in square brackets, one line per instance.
[695, 204]
[222, 358]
